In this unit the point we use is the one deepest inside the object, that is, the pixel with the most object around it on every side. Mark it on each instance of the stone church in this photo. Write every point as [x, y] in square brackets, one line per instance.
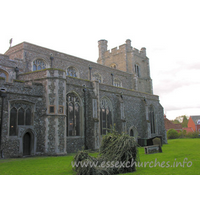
[53, 103]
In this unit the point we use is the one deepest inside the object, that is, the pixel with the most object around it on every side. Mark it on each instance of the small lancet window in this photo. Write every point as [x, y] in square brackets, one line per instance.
[137, 70]
[152, 119]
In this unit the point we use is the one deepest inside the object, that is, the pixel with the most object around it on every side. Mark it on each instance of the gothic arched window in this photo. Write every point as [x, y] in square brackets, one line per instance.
[28, 117]
[2, 74]
[97, 77]
[152, 119]
[113, 66]
[13, 122]
[21, 116]
[105, 115]
[73, 115]
[117, 82]
[39, 64]
[71, 71]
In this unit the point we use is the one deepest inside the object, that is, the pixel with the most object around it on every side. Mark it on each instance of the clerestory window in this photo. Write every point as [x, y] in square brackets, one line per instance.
[117, 83]
[39, 64]
[71, 71]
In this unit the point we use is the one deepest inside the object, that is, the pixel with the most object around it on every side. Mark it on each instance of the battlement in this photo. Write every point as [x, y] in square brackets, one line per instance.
[124, 48]
[141, 52]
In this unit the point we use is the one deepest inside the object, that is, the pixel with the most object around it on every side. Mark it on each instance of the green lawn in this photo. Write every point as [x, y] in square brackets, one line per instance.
[175, 151]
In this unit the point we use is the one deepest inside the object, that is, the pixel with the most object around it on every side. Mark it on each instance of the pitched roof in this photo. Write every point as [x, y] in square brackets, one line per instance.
[189, 129]
[196, 119]
[171, 125]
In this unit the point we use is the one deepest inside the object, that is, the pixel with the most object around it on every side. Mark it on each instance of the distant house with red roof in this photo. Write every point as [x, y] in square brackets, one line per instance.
[194, 123]
[188, 129]
[171, 125]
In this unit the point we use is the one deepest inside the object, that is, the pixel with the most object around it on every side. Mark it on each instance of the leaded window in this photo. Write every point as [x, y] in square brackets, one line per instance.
[13, 122]
[20, 114]
[105, 116]
[73, 115]
[152, 119]
[71, 71]
[97, 77]
[39, 64]
[28, 117]
[117, 83]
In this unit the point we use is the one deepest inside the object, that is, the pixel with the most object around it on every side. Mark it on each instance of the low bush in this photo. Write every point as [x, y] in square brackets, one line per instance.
[182, 134]
[115, 148]
[192, 134]
[172, 134]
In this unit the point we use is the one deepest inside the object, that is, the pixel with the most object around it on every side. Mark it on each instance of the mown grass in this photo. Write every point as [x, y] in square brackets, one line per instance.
[175, 151]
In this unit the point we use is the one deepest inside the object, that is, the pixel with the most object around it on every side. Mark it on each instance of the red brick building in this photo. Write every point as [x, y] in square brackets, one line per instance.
[194, 122]
[171, 125]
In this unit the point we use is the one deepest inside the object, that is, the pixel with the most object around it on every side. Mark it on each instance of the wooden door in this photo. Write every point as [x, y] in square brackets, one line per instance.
[27, 144]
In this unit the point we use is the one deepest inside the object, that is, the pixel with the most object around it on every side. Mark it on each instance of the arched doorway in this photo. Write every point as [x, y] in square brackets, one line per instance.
[133, 132]
[27, 144]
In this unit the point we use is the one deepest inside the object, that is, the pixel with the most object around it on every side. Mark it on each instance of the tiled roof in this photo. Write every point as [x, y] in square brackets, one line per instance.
[171, 125]
[189, 129]
[195, 119]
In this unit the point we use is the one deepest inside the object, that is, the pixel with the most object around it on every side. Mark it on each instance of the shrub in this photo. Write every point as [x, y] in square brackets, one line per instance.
[119, 147]
[182, 134]
[115, 147]
[172, 134]
[192, 134]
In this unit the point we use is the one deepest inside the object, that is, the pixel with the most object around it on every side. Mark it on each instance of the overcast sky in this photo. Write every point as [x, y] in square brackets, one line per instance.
[168, 29]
